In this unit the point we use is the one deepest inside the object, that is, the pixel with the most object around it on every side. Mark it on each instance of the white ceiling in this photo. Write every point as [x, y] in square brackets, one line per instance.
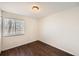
[46, 8]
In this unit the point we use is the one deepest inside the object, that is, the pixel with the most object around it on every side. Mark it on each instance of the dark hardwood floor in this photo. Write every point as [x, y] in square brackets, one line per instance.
[36, 48]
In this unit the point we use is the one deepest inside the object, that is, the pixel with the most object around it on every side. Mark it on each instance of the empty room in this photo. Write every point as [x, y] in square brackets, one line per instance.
[39, 28]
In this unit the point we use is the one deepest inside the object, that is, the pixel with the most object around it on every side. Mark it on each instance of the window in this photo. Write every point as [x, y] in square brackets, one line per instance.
[13, 27]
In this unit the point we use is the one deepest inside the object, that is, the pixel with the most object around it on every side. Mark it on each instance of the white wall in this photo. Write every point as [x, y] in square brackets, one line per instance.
[61, 30]
[0, 31]
[29, 35]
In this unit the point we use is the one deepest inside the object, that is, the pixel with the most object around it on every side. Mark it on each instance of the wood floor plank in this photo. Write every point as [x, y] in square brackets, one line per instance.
[36, 48]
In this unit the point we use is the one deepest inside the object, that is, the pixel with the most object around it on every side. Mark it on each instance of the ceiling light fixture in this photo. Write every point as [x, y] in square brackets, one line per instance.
[35, 8]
